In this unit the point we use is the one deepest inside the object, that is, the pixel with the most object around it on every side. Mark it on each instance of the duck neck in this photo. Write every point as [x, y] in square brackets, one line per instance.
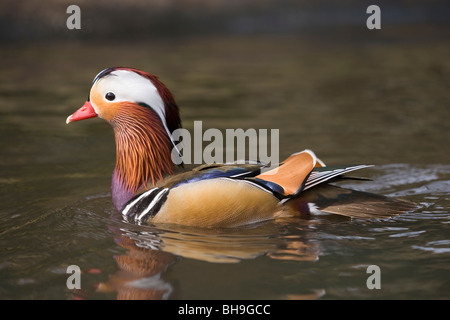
[143, 153]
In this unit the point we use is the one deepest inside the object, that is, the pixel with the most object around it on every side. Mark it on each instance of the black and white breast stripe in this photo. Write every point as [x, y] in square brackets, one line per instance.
[146, 205]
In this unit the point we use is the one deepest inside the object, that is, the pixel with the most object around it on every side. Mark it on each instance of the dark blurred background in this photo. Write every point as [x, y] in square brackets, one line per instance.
[30, 20]
[310, 68]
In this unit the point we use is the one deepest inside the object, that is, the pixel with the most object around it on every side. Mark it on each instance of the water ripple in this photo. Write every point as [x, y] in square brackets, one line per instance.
[404, 180]
[432, 249]
[407, 234]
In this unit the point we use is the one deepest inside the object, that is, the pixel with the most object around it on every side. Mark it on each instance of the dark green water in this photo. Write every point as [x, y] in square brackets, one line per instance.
[383, 103]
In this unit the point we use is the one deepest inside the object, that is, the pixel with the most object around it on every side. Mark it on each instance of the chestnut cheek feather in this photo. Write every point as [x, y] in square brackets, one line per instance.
[142, 145]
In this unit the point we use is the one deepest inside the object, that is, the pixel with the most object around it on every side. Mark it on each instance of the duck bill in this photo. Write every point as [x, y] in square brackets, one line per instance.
[85, 112]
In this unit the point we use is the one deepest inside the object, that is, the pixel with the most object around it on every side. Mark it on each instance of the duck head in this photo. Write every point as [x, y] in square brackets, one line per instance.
[143, 115]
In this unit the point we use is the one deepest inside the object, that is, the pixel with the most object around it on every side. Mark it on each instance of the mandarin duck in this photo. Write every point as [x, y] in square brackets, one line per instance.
[143, 114]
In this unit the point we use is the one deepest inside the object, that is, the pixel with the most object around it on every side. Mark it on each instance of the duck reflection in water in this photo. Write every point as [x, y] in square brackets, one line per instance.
[150, 252]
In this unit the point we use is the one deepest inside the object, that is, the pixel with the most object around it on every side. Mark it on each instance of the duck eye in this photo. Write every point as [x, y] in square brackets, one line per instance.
[110, 96]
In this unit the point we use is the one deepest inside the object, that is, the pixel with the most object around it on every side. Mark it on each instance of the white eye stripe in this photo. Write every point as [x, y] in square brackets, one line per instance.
[130, 86]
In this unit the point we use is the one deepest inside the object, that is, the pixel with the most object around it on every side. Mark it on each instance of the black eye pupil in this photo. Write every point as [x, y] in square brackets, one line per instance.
[110, 96]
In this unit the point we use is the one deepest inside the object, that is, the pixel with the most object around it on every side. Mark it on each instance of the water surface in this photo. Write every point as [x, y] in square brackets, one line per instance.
[379, 103]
